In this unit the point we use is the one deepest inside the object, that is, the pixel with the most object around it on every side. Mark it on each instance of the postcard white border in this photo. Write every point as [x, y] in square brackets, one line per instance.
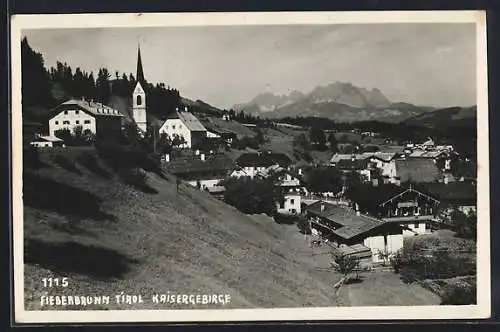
[135, 20]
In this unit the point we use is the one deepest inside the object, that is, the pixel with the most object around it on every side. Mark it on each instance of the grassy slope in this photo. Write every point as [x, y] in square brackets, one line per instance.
[184, 243]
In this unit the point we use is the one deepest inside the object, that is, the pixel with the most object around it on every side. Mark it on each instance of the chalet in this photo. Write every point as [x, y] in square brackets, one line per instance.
[47, 142]
[184, 125]
[354, 232]
[250, 164]
[89, 115]
[202, 171]
[461, 195]
[414, 209]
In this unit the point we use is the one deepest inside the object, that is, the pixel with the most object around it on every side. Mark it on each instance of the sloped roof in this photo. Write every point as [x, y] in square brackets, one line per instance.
[91, 107]
[426, 154]
[416, 170]
[191, 122]
[351, 224]
[453, 191]
[48, 139]
[263, 159]
[194, 164]
[384, 156]
[349, 164]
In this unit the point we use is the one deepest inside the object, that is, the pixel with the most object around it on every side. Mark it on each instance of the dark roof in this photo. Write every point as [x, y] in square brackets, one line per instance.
[351, 224]
[91, 107]
[416, 170]
[349, 164]
[263, 159]
[140, 73]
[212, 127]
[453, 191]
[193, 165]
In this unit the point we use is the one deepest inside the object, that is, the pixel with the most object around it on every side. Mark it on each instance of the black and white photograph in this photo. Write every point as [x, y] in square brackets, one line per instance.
[250, 166]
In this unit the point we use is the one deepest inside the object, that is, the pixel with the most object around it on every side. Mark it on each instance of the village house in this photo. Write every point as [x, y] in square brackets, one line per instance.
[291, 187]
[414, 209]
[416, 170]
[200, 170]
[89, 115]
[47, 142]
[251, 164]
[216, 132]
[354, 233]
[186, 126]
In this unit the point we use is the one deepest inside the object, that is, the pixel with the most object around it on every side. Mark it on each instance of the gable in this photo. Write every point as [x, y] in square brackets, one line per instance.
[138, 89]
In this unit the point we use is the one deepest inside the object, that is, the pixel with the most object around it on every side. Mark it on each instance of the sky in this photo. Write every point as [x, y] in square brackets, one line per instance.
[432, 64]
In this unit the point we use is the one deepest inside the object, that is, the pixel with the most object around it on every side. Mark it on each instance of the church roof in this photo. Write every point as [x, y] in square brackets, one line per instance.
[139, 74]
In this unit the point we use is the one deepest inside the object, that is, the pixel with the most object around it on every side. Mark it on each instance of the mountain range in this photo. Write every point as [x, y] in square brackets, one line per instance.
[339, 101]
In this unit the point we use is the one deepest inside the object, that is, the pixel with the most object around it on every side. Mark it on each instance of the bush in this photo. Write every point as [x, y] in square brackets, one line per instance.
[91, 162]
[459, 294]
[303, 225]
[137, 178]
[66, 163]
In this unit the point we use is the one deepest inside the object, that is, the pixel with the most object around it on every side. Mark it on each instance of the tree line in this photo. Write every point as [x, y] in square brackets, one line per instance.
[38, 84]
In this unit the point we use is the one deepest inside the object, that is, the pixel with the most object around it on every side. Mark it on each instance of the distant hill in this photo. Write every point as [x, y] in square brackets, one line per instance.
[455, 116]
[341, 102]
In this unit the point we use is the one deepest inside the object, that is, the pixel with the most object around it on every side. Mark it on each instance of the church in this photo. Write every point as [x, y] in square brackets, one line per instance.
[181, 124]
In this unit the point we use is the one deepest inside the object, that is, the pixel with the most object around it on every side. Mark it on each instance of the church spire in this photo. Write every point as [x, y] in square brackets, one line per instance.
[140, 74]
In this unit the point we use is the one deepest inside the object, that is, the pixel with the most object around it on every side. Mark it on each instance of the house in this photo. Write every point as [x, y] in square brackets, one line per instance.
[47, 142]
[291, 187]
[89, 115]
[415, 170]
[185, 125]
[359, 166]
[461, 195]
[413, 208]
[352, 231]
[250, 164]
[216, 132]
[200, 170]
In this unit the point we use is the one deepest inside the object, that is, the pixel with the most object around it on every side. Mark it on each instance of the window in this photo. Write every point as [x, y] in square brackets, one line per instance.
[292, 201]
[77, 121]
[173, 127]
[65, 112]
[139, 100]
[57, 122]
[86, 121]
[66, 122]
[77, 112]
[416, 225]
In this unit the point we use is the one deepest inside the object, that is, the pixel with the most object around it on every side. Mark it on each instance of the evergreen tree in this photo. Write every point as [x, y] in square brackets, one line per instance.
[35, 86]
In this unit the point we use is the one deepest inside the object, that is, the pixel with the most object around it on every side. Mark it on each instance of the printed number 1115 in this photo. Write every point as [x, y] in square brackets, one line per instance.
[55, 282]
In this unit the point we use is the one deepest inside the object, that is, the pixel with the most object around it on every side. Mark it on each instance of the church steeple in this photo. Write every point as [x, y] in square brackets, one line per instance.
[140, 74]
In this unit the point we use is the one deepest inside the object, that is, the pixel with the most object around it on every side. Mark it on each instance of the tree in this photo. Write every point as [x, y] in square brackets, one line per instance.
[301, 142]
[325, 179]
[252, 195]
[65, 135]
[465, 225]
[317, 136]
[35, 84]
[332, 140]
[345, 264]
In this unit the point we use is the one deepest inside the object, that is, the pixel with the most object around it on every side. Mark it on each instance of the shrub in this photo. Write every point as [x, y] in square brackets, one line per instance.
[303, 225]
[66, 163]
[137, 178]
[91, 162]
[460, 293]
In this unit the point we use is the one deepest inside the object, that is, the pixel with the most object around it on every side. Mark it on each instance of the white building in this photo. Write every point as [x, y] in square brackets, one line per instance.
[89, 115]
[47, 142]
[139, 97]
[185, 125]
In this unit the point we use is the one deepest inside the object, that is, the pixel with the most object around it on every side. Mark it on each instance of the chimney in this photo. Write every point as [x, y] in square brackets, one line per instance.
[202, 157]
